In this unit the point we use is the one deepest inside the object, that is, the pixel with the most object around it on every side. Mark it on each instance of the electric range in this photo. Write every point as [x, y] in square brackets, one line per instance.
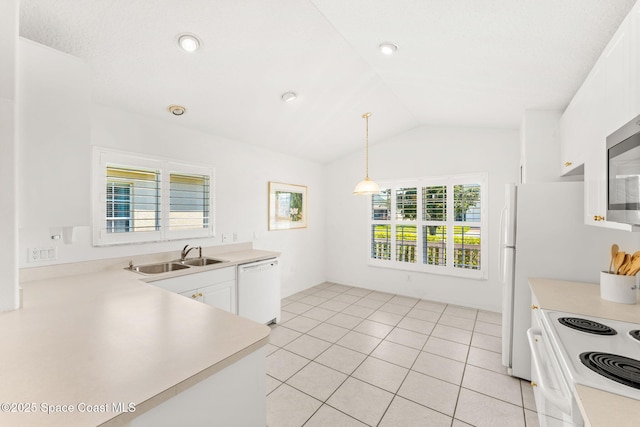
[599, 353]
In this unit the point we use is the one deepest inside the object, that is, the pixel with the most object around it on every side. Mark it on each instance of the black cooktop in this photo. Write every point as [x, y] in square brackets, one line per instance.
[586, 325]
[615, 367]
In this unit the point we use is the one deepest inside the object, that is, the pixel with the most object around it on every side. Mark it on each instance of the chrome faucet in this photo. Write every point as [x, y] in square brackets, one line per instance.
[185, 252]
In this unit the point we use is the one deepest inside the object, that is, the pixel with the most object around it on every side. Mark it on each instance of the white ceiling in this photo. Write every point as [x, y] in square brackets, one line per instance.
[460, 62]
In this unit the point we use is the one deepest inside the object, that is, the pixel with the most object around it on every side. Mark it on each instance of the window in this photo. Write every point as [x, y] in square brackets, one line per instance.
[435, 225]
[144, 199]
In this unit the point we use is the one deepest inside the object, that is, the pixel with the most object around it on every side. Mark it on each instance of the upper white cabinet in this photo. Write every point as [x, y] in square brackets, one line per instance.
[608, 98]
[54, 136]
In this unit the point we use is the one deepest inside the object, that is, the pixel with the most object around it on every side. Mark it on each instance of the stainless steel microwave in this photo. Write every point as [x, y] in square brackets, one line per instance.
[623, 167]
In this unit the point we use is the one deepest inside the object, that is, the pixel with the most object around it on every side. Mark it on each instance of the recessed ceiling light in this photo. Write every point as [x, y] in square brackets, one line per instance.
[388, 48]
[289, 96]
[188, 42]
[177, 110]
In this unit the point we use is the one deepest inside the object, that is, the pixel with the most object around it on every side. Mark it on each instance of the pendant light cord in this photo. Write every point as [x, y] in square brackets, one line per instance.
[366, 116]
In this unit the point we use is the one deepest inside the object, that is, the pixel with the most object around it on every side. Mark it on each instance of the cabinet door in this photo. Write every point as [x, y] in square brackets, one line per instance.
[616, 63]
[195, 294]
[221, 295]
[635, 59]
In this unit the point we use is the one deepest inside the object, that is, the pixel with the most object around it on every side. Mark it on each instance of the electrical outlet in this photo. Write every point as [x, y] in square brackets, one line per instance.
[42, 254]
[225, 237]
[235, 236]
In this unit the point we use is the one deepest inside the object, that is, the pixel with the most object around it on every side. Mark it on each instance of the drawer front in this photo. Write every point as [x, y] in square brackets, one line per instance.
[197, 280]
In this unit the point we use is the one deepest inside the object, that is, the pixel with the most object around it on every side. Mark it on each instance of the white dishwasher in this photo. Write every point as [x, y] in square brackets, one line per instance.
[259, 291]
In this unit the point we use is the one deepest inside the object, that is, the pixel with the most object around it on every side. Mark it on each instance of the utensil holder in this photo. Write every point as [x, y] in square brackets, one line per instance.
[618, 288]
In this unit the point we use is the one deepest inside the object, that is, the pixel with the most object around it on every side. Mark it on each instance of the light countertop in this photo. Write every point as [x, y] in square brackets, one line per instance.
[108, 337]
[599, 408]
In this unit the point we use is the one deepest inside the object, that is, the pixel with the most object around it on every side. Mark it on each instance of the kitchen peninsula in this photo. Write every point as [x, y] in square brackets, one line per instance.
[105, 348]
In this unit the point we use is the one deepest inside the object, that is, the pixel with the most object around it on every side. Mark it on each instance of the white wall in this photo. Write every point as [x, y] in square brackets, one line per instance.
[421, 152]
[8, 163]
[540, 146]
[242, 175]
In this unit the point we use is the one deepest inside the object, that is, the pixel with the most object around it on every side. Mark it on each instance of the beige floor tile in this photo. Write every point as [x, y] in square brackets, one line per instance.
[322, 285]
[490, 317]
[285, 315]
[452, 334]
[439, 367]
[308, 346]
[531, 419]
[359, 342]
[396, 353]
[503, 387]
[359, 292]
[346, 298]
[486, 359]
[457, 322]
[288, 407]
[270, 348]
[369, 303]
[416, 325]
[327, 332]
[380, 296]
[486, 342]
[334, 305]
[381, 374]
[429, 316]
[488, 328]
[528, 400]
[480, 410]
[297, 307]
[470, 313]
[446, 348]
[407, 301]
[341, 359]
[281, 336]
[344, 320]
[361, 400]
[272, 384]
[458, 423]
[430, 392]
[301, 324]
[318, 313]
[408, 338]
[317, 380]
[395, 308]
[282, 364]
[436, 307]
[312, 300]
[358, 310]
[385, 317]
[326, 293]
[405, 413]
[378, 330]
[327, 416]
[339, 288]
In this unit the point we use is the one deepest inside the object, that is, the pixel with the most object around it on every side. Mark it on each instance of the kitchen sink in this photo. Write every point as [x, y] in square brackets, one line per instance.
[162, 267]
[201, 262]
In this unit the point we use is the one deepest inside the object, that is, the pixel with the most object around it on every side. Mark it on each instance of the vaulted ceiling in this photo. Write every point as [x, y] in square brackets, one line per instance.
[464, 63]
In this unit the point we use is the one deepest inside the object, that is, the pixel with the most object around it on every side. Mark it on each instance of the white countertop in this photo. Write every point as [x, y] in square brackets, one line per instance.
[599, 408]
[108, 337]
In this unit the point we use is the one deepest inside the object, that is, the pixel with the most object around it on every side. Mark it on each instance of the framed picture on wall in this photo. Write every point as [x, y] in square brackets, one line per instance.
[287, 206]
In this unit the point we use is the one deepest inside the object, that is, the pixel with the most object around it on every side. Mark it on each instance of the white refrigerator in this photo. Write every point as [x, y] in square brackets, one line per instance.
[543, 235]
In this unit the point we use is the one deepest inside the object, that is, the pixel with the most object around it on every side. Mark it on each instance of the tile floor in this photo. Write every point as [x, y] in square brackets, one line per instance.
[346, 356]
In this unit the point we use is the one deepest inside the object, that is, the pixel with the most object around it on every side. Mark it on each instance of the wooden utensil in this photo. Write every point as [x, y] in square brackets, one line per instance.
[614, 250]
[634, 267]
[625, 264]
[617, 262]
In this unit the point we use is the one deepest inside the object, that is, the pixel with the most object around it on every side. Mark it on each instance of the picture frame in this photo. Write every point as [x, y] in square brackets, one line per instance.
[287, 206]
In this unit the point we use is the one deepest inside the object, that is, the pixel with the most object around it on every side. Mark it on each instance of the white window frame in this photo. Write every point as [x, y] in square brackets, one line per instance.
[104, 157]
[419, 266]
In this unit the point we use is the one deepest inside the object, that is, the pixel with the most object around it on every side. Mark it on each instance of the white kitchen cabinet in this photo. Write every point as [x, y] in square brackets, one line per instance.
[635, 59]
[214, 287]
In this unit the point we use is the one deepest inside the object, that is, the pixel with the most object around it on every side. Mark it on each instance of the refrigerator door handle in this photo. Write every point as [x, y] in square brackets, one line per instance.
[503, 231]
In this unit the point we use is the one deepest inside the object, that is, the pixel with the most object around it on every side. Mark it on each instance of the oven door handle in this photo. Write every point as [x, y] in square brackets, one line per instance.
[561, 402]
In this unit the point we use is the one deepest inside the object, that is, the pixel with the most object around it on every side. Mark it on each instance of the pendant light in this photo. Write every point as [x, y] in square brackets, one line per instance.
[366, 186]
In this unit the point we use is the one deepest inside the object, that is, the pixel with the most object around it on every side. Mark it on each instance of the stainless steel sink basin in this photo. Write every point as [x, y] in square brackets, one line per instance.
[162, 267]
[201, 262]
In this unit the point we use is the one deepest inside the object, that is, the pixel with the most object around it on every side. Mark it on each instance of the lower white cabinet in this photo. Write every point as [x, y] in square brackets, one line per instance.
[214, 287]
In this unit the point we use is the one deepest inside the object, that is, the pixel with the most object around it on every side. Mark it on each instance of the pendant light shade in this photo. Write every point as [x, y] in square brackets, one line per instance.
[366, 186]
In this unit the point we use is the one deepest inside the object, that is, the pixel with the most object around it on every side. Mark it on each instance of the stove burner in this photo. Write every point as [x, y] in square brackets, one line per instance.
[588, 326]
[617, 368]
[635, 334]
